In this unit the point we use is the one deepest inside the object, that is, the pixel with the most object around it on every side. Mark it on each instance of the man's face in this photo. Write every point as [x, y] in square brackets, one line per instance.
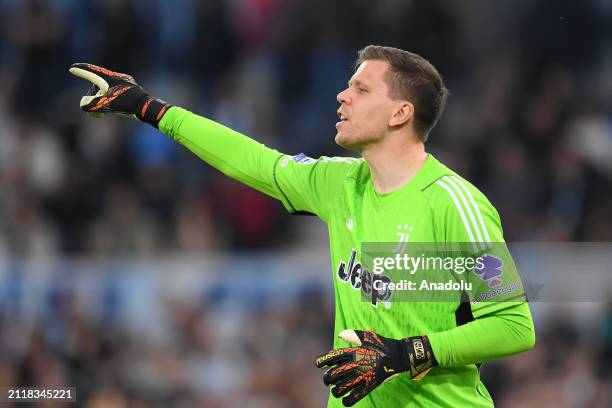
[365, 107]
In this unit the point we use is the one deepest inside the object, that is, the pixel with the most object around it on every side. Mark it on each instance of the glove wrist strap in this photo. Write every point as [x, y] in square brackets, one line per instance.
[420, 356]
[150, 110]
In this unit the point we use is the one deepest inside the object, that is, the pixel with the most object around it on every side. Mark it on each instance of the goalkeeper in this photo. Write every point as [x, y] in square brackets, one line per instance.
[396, 189]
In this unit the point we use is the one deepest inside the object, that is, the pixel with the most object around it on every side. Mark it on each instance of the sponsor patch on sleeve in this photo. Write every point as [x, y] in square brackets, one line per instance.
[303, 159]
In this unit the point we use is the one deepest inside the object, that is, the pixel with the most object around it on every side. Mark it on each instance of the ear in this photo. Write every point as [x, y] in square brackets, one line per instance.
[403, 112]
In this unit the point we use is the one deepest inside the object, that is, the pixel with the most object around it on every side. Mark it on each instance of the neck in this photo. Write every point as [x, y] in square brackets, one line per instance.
[393, 161]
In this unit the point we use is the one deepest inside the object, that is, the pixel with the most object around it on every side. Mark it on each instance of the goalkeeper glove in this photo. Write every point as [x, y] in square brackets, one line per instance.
[356, 371]
[113, 92]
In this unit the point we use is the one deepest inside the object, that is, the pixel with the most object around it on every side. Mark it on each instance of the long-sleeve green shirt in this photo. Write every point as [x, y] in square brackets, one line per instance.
[436, 205]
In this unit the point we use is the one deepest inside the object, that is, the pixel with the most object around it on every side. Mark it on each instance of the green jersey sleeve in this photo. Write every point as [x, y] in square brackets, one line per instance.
[301, 183]
[230, 152]
[312, 185]
[503, 333]
[464, 215]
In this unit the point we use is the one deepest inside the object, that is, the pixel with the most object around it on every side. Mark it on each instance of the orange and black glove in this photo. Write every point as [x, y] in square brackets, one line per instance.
[113, 92]
[357, 371]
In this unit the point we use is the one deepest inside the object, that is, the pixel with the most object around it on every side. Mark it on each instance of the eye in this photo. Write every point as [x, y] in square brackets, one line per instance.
[362, 90]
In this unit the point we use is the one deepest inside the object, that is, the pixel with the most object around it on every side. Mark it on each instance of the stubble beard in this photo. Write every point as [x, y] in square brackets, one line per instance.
[349, 142]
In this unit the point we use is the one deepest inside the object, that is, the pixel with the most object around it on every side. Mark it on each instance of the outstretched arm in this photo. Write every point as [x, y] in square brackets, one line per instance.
[232, 153]
[301, 183]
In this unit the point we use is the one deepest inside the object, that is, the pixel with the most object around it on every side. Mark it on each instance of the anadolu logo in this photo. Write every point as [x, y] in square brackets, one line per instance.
[362, 279]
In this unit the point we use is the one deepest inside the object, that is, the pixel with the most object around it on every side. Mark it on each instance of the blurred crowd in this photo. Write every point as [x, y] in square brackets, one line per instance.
[263, 358]
[528, 122]
[256, 360]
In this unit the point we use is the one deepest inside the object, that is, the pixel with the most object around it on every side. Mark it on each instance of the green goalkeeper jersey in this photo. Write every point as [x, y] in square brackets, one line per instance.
[436, 205]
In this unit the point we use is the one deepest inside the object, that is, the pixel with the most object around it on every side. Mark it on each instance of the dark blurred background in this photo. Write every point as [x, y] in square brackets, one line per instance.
[120, 249]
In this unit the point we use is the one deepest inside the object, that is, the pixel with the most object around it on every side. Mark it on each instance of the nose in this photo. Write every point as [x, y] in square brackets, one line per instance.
[342, 97]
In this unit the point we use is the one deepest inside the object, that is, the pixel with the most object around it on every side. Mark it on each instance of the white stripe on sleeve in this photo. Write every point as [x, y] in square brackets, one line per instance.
[478, 213]
[453, 185]
[461, 213]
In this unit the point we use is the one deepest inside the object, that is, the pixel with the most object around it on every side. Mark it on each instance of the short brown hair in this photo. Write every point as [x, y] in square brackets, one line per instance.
[413, 78]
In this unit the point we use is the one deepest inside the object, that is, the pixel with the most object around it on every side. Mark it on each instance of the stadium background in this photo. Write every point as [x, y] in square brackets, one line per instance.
[141, 276]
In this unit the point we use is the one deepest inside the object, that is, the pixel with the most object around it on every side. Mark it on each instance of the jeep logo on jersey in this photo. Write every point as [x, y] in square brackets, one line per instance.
[490, 270]
[362, 279]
